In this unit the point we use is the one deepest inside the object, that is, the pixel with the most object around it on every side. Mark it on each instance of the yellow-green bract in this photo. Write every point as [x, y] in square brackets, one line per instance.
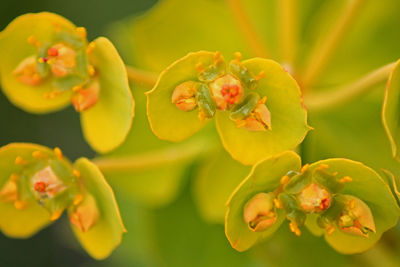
[37, 184]
[46, 63]
[266, 176]
[277, 89]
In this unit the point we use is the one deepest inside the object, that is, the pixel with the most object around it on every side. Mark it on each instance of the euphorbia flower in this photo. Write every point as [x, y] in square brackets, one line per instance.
[344, 200]
[37, 184]
[47, 63]
[257, 104]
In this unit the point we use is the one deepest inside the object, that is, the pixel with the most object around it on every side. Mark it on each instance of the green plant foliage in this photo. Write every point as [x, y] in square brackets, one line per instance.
[216, 178]
[47, 63]
[260, 109]
[391, 109]
[157, 182]
[38, 184]
[350, 202]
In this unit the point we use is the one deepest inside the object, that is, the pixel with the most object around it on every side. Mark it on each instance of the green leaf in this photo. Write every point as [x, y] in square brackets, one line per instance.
[216, 179]
[288, 117]
[14, 48]
[107, 123]
[264, 177]
[369, 187]
[391, 109]
[166, 120]
[105, 235]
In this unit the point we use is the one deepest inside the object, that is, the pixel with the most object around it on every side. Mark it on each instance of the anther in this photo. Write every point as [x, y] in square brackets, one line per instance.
[284, 179]
[20, 161]
[37, 154]
[91, 70]
[90, 47]
[52, 52]
[76, 173]
[294, 228]
[304, 168]
[58, 152]
[55, 215]
[33, 41]
[237, 56]
[78, 199]
[14, 177]
[346, 179]
[81, 31]
[260, 75]
[277, 203]
[19, 205]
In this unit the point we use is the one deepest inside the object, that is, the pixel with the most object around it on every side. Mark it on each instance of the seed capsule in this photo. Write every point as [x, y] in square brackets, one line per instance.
[356, 218]
[86, 97]
[314, 198]
[86, 214]
[184, 96]
[259, 212]
[226, 91]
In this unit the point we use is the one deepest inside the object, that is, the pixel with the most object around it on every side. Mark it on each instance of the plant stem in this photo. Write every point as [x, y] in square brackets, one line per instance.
[250, 34]
[149, 159]
[343, 94]
[321, 54]
[140, 76]
[289, 29]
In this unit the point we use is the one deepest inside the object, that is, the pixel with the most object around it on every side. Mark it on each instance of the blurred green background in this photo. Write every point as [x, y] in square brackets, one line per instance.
[176, 235]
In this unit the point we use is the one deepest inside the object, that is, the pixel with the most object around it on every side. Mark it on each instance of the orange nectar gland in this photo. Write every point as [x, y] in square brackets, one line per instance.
[85, 214]
[259, 212]
[184, 96]
[84, 98]
[356, 218]
[314, 198]
[226, 91]
[259, 119]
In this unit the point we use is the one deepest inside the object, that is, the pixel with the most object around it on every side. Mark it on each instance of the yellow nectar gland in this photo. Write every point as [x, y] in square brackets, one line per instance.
[259, 212]
[226, 91]
[184, 96]
[314, 198]
[356, 218]
[259, 119]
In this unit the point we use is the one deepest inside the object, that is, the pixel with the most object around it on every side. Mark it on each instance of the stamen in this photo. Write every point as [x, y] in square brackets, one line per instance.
[237, 56]
[40, 187]
[55, 215]
[304, 168]
[20, 161]
[58, 152]
[90, 47]
[294, 228]
[346, 179]
[82, 32]
[38, 154]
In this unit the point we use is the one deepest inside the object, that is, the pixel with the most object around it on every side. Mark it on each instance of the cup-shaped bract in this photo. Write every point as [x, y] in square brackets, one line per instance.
[344, 200]
[364, 191]
[37, 184]
[391, 109]
[47, 63]
[257, 104]
[263, 178]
